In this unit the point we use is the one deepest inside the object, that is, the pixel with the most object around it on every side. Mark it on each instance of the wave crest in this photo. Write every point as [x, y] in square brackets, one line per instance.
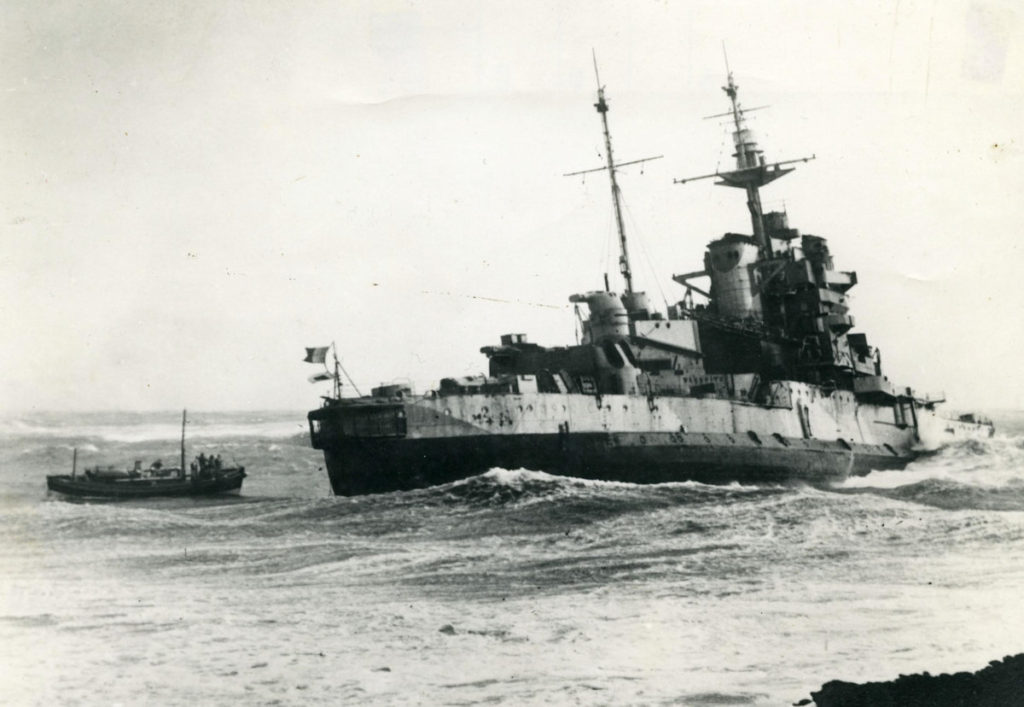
[953, 495]
[505, 486]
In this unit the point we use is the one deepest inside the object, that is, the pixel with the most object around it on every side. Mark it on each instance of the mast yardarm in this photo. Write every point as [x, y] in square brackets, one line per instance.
[602, 108]
[751, 171]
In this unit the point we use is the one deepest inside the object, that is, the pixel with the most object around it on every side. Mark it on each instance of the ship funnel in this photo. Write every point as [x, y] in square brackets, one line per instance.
[637, 304]
[730, 261]
[608, 317]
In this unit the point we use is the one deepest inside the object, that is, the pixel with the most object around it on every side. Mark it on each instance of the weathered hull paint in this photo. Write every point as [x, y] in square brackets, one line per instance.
[377, 445]
[362, 466]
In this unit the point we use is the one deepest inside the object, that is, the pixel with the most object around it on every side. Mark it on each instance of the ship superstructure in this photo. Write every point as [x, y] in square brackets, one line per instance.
[762, 380]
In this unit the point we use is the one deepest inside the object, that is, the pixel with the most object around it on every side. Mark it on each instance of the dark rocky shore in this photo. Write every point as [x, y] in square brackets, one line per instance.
[1001, 684]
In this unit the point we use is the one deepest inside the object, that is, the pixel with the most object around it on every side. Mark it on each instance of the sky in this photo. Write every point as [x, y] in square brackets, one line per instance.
[192, 192]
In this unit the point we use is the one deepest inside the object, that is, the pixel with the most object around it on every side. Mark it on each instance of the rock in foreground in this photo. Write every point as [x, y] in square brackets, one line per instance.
[1001, 684]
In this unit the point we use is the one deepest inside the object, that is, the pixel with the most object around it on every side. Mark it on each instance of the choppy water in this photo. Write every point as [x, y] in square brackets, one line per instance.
[511, 588]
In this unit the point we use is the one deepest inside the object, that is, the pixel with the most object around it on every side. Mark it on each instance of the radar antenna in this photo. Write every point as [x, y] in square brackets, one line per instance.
[611, 166]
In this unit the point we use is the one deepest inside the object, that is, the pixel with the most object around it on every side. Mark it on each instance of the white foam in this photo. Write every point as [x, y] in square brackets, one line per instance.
[133, 430]
[992, 463]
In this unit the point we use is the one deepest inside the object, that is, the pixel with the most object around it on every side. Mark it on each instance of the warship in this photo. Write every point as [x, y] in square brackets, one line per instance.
[755, 375]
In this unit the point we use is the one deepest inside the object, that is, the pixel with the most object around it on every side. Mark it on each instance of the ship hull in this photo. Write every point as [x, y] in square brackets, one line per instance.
[363, 466]
[374, 445]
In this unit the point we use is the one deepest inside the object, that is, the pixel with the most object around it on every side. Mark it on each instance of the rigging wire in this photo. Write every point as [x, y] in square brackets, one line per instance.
[721, 147]
[351, 382]
[609, 240]
[638, 238]
[605, 257]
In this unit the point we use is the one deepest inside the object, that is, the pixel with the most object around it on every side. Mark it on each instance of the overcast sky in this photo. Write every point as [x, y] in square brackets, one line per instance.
[193, 192]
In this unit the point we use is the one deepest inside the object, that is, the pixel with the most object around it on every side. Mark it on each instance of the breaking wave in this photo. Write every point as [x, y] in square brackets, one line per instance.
[502, 487]
[996, 462]
[146, 427]
[974, 474]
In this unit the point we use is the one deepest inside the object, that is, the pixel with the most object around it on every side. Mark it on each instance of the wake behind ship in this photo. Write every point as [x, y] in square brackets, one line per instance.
[762, 380]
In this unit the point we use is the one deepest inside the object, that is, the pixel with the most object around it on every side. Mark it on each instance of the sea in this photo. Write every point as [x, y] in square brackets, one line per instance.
[514, 587]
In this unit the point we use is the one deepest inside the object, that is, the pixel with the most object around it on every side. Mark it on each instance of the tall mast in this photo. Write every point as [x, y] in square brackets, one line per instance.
[337, 376]
[747, 155]
[751, 172]
[602, 108]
